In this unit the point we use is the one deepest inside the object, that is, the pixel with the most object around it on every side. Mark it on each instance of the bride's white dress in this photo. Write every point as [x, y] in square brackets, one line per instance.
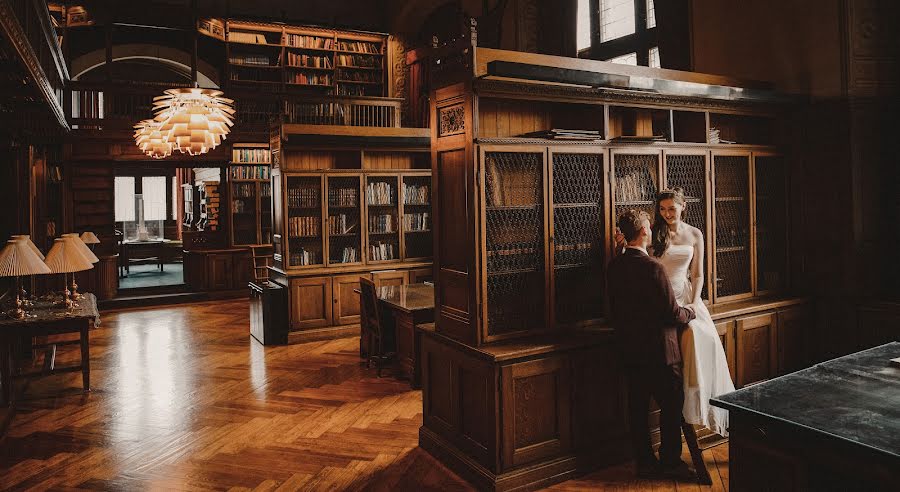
[705, 365]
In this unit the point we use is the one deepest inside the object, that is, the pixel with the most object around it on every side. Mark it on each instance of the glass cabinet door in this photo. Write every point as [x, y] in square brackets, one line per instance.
[417, 237]
[771, 222]
[514, 235]
[636, 181]
[244, 212]
[265, 212]
[383, 216]
[577, 236]
[688, 171]
[344, 220]
[731, 175]
[304, 220]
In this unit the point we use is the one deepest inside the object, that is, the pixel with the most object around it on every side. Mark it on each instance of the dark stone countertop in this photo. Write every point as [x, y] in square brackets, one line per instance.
[855, 398]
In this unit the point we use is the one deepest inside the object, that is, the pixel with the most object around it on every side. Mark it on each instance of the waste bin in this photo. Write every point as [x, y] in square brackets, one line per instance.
[268, 313]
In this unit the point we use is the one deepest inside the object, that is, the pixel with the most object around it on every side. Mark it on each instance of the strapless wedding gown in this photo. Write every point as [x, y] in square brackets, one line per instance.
[705, 365]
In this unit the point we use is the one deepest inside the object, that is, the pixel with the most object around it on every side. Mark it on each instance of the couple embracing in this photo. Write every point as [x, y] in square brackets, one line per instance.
[671, 349]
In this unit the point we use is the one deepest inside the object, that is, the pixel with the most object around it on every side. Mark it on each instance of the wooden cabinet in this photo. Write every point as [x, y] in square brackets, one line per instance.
[793, 339]
[345, 301]
[242, 270]
[218, 271]
[311, 302]
[419, 275]
[725, 330]
[390, 277]
[755, 348]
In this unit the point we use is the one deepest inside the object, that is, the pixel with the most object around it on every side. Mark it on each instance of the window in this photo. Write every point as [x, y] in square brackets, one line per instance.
[154, 191]
[619, 31]
[654, 57]
[124, 190]
[616, 19]
[629, 59]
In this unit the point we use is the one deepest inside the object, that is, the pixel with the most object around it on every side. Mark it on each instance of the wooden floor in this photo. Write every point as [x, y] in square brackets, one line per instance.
[183, 400]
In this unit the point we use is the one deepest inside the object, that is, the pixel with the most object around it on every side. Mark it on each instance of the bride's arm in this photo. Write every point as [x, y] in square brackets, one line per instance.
[697, 267]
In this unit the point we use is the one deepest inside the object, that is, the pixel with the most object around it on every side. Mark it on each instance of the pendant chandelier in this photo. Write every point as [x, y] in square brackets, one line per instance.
[150, 140]
[190, 120]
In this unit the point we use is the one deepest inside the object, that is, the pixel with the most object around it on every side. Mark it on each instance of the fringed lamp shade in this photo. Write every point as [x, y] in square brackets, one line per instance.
[17, 259]
[82, 248]
[64, 257]
[89, 237]
[193, 120]
[27, 239]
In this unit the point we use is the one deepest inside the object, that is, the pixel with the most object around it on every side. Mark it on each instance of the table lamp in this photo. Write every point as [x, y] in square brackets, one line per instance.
[18, 259]
[89, 238]
[84, 250]
[27, 239]
[64, 257]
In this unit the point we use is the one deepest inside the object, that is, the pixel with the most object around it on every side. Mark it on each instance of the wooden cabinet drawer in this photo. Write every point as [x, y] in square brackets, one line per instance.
[755, 348]
[346, 302]
[311, 302]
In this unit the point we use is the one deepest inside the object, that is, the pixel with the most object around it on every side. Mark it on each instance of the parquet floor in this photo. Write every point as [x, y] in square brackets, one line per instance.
[182, 400]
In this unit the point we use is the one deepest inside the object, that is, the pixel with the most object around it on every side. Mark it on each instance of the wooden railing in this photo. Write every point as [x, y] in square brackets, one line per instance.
[94, 106]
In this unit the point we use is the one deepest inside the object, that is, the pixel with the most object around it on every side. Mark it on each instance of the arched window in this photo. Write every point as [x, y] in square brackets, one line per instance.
[619, 31]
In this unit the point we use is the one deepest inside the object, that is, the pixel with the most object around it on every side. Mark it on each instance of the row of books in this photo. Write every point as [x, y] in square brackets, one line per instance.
[303, 197]
[302, 60]
[356, 61]
[240, 206]
[381, 251]
[714, 137]
[243, 190]
[343, 197]
[373, 77]
[254, 75]
[261, 60]
[265, 190]
[249, 172]
[635, 186]
[342, 224]
[382, 223]
[301, 41]
[304, 226]
[414, 194]
[248, 37]
[350, 255]
[380, 193]
[415, 222]
[304, 257]
[304, 78]
[251, 156]
[359, 46]
[358, 90]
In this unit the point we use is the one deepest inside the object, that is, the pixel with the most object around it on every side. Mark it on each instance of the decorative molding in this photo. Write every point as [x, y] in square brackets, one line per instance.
[399, 74]
[17, 38]
[451, 120]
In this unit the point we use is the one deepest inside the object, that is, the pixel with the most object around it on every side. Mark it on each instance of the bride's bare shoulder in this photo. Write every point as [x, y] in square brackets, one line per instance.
[695, 233]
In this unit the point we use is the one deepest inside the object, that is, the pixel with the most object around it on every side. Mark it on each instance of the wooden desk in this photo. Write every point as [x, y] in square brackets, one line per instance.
[833, 426]
[403, 307]
[47, 321]
[140, 252]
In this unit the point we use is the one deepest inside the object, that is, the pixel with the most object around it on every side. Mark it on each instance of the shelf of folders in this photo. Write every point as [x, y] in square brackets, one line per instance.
[251, 155]
[415, 194]
[380, 193]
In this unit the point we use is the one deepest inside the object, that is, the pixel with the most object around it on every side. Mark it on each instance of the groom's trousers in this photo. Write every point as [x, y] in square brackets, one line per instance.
[664, 384]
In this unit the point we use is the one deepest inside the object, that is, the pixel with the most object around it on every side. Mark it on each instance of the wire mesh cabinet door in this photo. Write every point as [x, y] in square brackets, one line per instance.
[688, 170]
[514, 237]
[771, 223]
[636, 180]
[577, 231]
[732, 244]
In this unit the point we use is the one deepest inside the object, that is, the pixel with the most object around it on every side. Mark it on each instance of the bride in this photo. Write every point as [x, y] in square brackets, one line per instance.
[679, 248]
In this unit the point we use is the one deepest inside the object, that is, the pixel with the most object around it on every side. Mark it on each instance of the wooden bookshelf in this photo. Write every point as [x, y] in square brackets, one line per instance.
[275, 57]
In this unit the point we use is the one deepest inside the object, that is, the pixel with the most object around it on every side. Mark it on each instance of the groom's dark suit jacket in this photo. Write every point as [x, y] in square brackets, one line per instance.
[644, 312]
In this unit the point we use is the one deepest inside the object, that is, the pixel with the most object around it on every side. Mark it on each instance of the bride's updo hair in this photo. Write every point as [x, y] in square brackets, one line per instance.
[660, 227]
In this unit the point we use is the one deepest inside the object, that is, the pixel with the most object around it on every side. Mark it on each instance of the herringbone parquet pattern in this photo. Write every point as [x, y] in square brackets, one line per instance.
[184, 400]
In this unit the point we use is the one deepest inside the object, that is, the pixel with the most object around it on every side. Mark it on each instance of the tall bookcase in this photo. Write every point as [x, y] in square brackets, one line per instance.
[290, 58]
[525, 227]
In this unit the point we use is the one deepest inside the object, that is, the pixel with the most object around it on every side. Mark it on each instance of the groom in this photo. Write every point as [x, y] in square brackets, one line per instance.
[647, 320]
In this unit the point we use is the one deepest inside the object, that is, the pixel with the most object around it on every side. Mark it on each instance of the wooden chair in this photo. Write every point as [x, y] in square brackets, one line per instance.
[262, 260]
[690, 436]
[379, 342]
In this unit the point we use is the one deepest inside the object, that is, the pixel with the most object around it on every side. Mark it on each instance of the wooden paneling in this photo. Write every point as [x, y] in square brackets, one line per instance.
[242, 270]
[793, 339]
[93, 206]
[390, 160]
[219, 267]
[511, 118]
[535, 400]
[346, 302]
[725, 330]
[308, 161]
[600, 398]
[311, 304]
[755, 349]
[391, 277]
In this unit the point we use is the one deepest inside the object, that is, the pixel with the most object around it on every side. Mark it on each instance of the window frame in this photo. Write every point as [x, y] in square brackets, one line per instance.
[640, 42]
